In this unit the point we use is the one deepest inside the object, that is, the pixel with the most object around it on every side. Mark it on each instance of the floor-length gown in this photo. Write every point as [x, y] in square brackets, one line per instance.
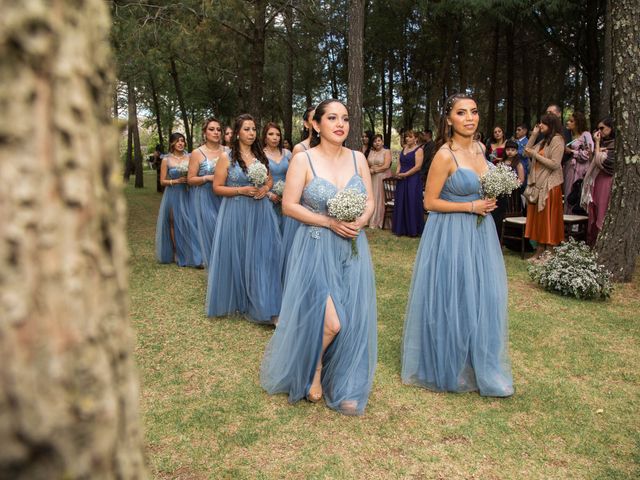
[455, 331]
[288, 225]
[175, 208]
[376, 159]
[247, 255]
[408, 213]
[321, 266]
[205, 207]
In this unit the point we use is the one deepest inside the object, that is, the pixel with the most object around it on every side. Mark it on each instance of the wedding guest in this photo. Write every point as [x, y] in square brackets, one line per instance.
[408, 215]
[279, 158]
[174, 228]
[599, 179]
[511, 159]
[455, 330]
[227, 140]
[521, 137]
[428, 147]
[202, 166]
[306, 131]
[247, 244]
[495, 145]
[580, 149]
[286, 144]
[325, 342]
[379, 161]
[367, 142]
[545, 222]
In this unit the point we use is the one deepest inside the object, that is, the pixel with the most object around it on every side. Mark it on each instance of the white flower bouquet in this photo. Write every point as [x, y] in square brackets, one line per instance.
[257, 173]
[497, 181]
[572, 269]
[278, 188]
[346, 206]
[183, 168]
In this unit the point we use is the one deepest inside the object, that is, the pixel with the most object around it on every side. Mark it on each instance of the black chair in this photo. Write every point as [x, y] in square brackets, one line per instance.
[514, 224]
[389, 187]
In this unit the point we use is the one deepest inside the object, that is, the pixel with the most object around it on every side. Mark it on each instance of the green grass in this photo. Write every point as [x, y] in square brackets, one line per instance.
[575, 367]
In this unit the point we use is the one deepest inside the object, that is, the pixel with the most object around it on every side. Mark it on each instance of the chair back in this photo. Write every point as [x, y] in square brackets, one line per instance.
[389, 187]
[514, 204]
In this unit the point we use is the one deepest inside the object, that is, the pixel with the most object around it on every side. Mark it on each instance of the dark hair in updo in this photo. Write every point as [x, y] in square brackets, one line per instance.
[320, 111]
[305, 117]
[205, 125]
[445, 132]
[256, 146]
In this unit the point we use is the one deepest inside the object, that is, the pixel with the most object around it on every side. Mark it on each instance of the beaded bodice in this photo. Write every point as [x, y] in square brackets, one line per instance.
[236, 177]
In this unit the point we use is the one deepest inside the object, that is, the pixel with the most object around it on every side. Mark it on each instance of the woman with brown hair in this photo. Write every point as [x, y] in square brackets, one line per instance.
[379, 160]
[545, 223]
[580, 150]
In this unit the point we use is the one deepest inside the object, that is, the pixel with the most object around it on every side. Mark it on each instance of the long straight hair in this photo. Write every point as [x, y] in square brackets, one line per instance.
[445, 131]
[256, 146]
[555, 126]
[264, 134]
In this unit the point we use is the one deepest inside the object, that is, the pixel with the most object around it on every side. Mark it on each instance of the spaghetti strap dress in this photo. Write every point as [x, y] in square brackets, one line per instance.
[175, 207]
[205, 207]
[321, 266]
[246, 257]
[408, 213]
[455, 330]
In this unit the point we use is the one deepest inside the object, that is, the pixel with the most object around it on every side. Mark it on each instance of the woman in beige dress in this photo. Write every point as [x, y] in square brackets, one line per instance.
[379, 165]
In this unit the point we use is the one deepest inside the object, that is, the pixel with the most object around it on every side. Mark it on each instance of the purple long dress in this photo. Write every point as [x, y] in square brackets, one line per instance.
[408, 214]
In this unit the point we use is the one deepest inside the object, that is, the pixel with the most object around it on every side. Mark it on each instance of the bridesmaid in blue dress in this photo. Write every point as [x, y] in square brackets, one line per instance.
[455, 331]
[408, 215]
[174, 229]
[278, 166]
[205, 203]
[325, 341]
[247, 244]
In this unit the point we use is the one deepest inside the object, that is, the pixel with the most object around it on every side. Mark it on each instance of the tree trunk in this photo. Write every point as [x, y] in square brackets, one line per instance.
[526, 81]
[287, 110]
[387, 135]
[129, 166]
[383, 97]
[133, 127]
[355, 72]
[257, 61]
[617, 245]
[593, 59]
[68, 387]
[491, 115]
[607, 76]
[181, 103]
[156, 111]
[509, 126]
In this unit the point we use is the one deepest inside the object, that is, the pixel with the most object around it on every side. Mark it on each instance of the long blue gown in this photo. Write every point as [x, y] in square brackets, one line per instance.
[455, 331]
[205, 207]
[175, 204]
[288, 225]
[408, 214]
[247, 255]
[321, 266]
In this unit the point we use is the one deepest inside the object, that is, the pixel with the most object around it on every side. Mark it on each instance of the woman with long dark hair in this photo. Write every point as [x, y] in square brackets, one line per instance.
[202, 166]
[495, 145]
[580, 150]
[247, 245]
[325, 342]
[175, 232]
[408, 215]
[307, 131]
[455, 330]
[545, 223]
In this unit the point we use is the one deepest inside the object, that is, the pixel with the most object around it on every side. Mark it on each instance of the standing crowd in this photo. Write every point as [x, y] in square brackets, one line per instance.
[257, 216]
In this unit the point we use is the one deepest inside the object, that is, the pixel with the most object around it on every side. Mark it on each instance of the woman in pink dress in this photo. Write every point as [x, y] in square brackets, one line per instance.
[379, 165]
[580, 149]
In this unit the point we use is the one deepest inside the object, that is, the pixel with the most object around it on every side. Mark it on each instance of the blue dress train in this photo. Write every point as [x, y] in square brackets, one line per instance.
[205, 205]
[247, 255]
[175, 206]
[320, 267]
[288, 225]
[455, 330]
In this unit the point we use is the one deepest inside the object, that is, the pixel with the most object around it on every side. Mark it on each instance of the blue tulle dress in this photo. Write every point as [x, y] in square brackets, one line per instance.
[205, 205]
[288, 225]
[247, 255]
[321, 266]
[455, 331]
[175, 203]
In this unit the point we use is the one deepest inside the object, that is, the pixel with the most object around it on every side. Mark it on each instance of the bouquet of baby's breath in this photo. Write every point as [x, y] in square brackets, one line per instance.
[257, 173]
[346, 206]
[497, 181]
[572, 269]
[183, 168]
[278, 188]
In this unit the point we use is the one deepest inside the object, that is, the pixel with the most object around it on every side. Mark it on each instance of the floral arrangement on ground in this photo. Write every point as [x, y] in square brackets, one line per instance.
[572, 269]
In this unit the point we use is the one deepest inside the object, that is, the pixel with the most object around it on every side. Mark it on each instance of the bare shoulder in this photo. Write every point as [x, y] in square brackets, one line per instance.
[482, 146]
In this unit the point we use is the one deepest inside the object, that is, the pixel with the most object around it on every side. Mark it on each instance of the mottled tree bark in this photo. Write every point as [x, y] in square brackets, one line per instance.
[181, 103]
[68, 387]
[134, 134]
[607, 74]
[356, 73]
[617, 244]
[288, 90]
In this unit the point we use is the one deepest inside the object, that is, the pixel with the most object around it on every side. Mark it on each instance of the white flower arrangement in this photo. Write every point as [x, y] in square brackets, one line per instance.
[183, 168]
[278, 188]
[346, 206]
[497, 181]
[572, 269]
[257, 173]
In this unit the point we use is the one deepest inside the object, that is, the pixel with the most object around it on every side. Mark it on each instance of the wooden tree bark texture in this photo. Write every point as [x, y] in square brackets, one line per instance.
[68, 388]
[356, 73]
[618, 245]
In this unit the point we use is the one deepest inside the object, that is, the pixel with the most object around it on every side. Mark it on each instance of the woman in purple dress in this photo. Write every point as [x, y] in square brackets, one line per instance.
[408, 214]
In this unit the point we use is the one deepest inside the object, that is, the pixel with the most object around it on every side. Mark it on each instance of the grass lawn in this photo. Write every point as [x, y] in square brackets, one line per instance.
[575, 368]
